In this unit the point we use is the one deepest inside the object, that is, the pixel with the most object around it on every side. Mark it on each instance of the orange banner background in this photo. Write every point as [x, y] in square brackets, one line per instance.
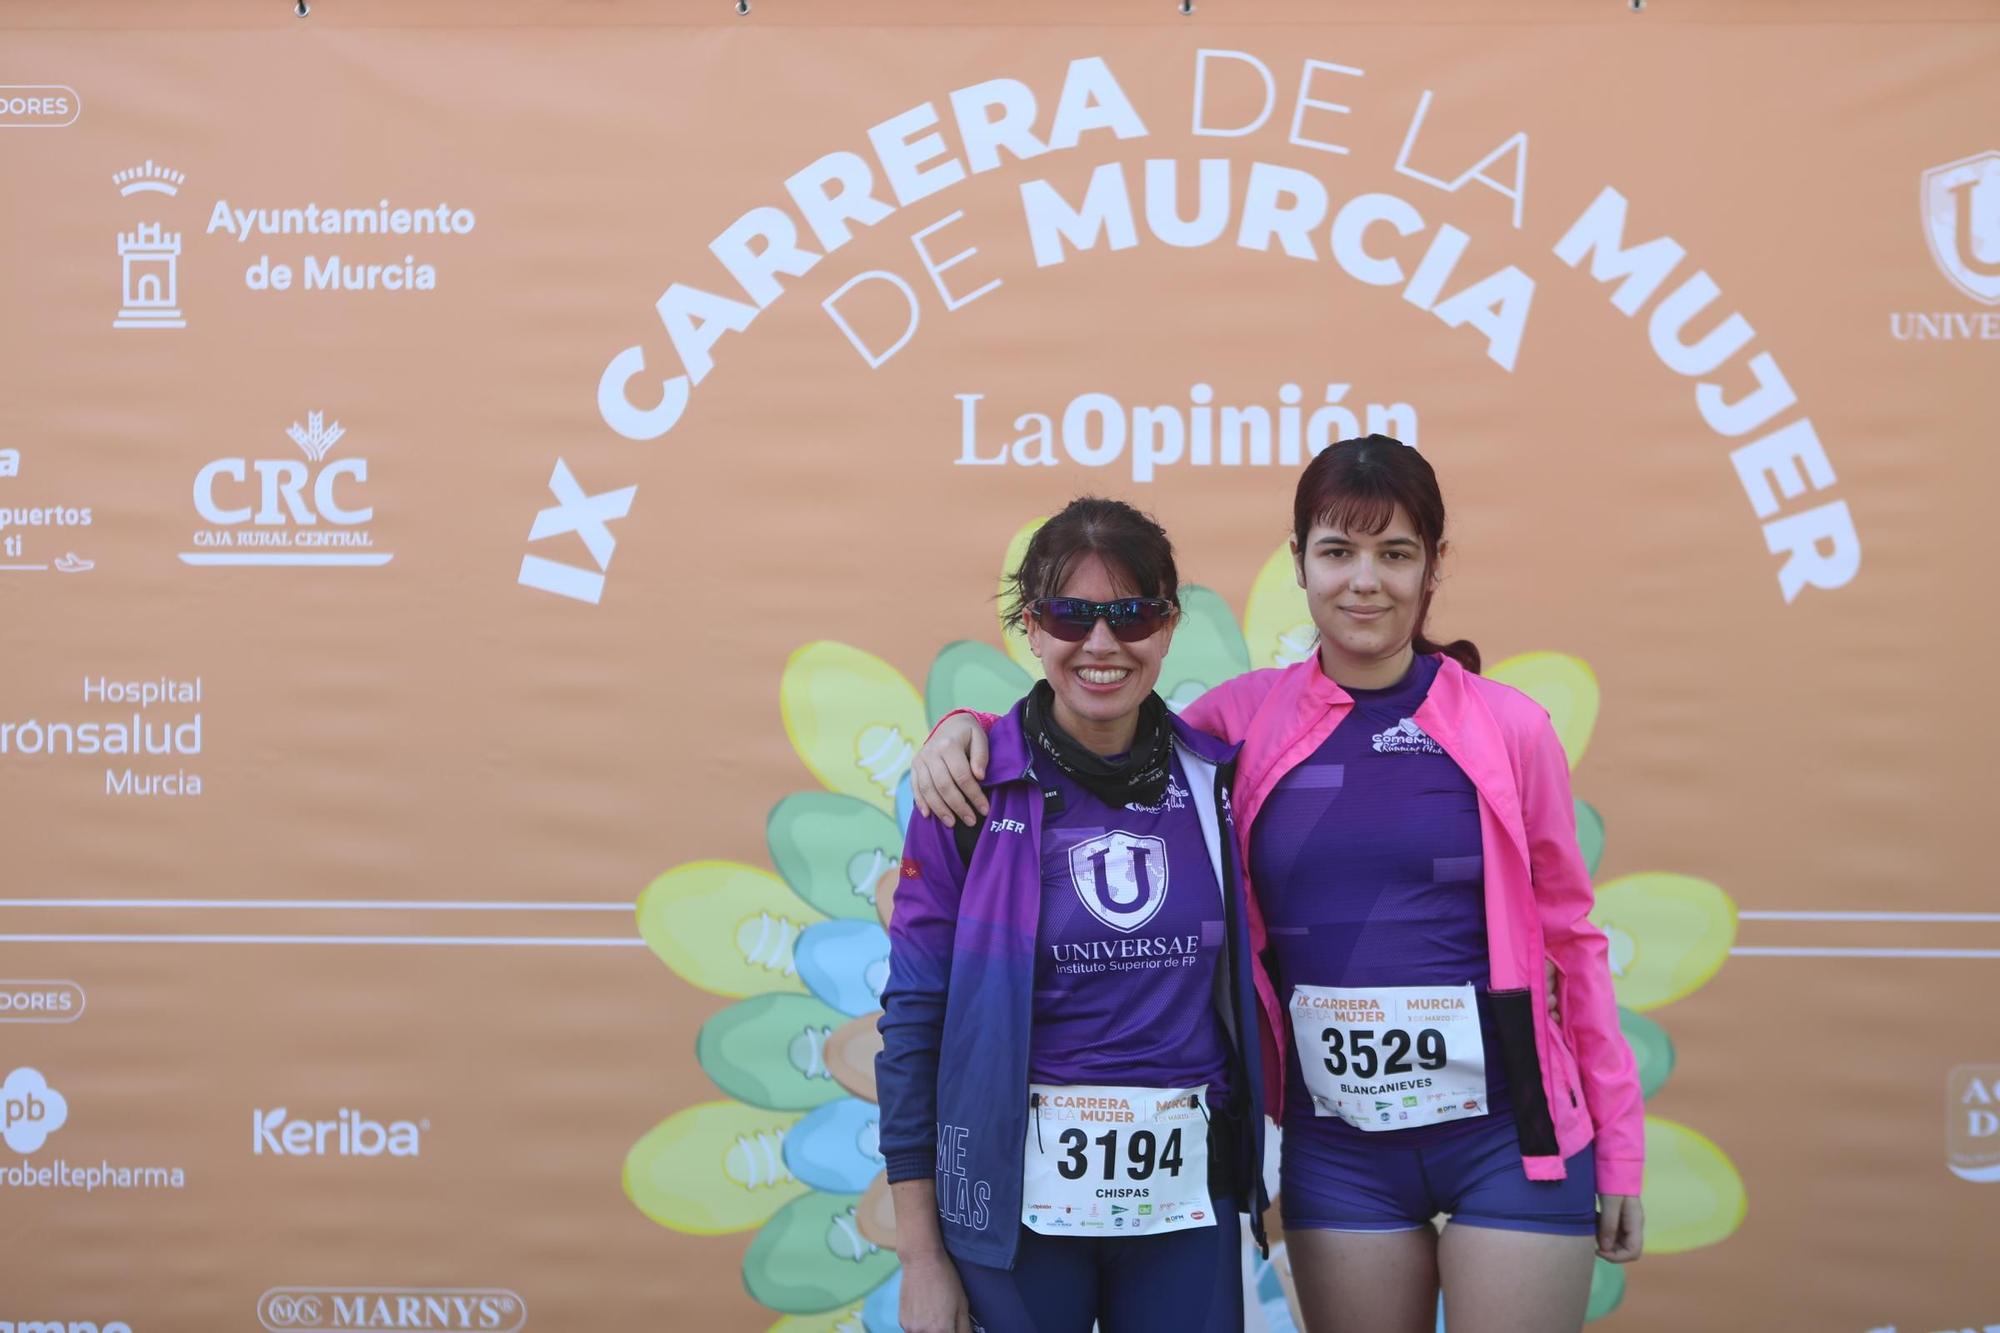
[432, 789]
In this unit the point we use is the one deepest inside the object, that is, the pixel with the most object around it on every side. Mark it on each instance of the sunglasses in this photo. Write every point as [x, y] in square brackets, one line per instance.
[1130, 619]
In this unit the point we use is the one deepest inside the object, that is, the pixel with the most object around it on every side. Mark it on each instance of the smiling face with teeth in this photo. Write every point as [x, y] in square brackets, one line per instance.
[1099, 682]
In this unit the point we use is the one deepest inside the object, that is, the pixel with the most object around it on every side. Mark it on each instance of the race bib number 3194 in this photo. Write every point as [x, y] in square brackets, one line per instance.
[1391, 1057]
[1109, 1161]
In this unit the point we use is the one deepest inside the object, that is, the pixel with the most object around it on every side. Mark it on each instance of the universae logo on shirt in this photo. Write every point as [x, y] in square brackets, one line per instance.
[1406, 737]
[1121, 877]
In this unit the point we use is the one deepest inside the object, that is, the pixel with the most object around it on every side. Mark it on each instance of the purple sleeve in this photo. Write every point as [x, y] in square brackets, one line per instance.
[922, 926]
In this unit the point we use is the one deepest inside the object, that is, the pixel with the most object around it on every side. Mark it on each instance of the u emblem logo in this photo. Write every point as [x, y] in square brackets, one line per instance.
[1121, 878]
[1961, 226]
[1962, 223]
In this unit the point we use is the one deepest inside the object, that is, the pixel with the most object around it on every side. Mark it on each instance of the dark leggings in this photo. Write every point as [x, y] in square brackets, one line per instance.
[1126, 1284]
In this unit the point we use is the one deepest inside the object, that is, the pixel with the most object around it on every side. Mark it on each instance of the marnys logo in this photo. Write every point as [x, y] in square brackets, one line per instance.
[63, 1326]
[289, 525]
[1972, 1122]
[340, 1309]
[349, 1134]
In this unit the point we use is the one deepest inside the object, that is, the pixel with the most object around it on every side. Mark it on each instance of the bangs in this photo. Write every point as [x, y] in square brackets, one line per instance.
[1125, 580]
[1359, 513]
[1138, 558]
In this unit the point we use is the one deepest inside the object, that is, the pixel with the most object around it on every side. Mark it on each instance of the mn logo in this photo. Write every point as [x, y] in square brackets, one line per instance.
[1961, 203]
[1121, 878]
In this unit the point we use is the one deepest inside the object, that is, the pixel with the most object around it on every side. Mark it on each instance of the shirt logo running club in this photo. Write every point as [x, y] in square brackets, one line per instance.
[1121, 878]
[1406, 737]
[1175, 798]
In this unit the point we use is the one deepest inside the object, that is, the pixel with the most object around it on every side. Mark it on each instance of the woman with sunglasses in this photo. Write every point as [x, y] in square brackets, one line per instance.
[1071, 1096]
[1410, 836]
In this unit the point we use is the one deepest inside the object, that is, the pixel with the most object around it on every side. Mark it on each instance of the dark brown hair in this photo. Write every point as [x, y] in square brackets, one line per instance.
[1355, 486]
[1132, 546]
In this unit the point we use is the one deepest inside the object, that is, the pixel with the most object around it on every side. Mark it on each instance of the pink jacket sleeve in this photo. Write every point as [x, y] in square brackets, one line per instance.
[985, 720]
[1224, 711]
[1564, 897]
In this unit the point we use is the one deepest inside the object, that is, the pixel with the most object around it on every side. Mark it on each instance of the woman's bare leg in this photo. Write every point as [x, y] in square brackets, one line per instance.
[1366, 1281]
[1498, 1281]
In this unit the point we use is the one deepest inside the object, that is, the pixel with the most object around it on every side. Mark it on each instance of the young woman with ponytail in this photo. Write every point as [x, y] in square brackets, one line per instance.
[1411, 846]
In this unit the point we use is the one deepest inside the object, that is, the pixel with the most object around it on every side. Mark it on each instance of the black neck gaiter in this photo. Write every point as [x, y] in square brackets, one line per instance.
[1140, 778]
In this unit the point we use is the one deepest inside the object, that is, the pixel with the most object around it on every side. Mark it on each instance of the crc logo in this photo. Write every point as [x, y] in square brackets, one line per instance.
[1961, 210]
[366, 1309]
[30, 1111]
[348, 1134]
[1972, 1122]
[280, 511]
[1121, 878]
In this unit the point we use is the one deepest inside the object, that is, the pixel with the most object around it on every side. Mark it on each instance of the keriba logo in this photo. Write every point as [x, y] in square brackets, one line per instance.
[1121, 878]
[349, 1134]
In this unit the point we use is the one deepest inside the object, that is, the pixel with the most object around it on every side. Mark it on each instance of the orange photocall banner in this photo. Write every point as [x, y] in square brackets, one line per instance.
[492, 495]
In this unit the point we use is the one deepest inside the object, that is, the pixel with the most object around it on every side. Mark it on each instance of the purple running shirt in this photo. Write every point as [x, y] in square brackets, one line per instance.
[1368, 865]
[1125, 957]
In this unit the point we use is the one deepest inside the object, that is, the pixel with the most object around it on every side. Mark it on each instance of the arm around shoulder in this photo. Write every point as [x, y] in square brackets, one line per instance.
[1224, 711]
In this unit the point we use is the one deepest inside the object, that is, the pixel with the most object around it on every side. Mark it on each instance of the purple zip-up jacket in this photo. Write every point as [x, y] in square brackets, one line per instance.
[952, 1077]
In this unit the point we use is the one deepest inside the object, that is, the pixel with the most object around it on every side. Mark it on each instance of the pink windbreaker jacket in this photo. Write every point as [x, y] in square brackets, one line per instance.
[1570, 1083]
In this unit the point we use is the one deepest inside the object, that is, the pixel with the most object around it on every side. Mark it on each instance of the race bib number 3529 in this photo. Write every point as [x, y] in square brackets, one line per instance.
[1391, 1057]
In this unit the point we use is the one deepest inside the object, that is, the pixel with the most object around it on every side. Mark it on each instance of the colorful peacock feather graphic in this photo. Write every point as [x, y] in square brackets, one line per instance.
[802, 950]
[789, 1153]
